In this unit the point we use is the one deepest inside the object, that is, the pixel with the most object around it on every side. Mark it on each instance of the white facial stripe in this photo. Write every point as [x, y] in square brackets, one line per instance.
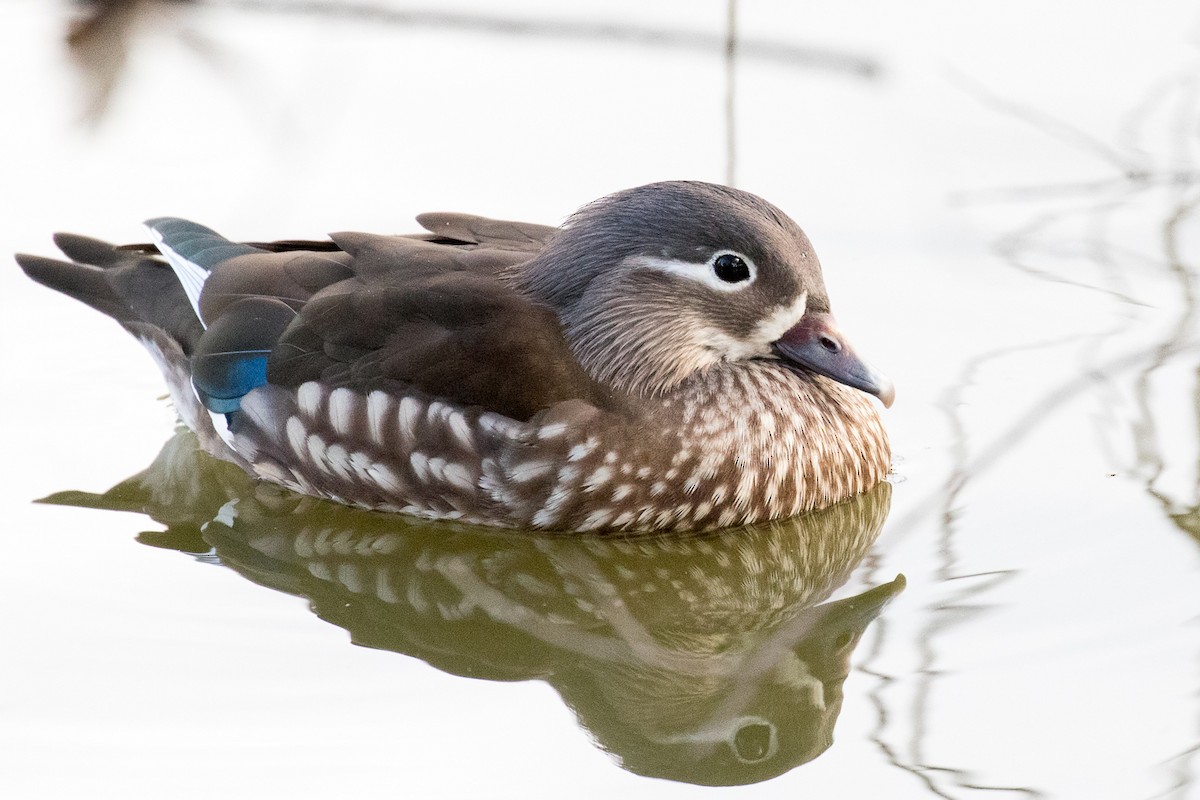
[731, 349]
[699, 271]
[777, 323]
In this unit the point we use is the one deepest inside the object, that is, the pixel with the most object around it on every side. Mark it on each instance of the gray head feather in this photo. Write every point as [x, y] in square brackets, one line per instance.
[644, 330]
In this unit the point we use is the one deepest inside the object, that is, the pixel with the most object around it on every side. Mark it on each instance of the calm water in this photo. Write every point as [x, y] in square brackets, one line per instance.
[1005, 201]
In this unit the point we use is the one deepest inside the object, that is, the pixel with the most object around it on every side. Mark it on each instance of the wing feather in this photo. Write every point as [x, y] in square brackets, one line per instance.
[415, 314]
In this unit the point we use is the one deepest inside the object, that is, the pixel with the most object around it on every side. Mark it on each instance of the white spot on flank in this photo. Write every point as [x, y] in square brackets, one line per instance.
[567, 474]
[316, 451]
[297, 436]
[461, 430]
[338, 459]
[378, 407]
[458, 475]
[581, 450]
[361, 463]
[529, 470]
[728, 517]
[549, 514]
[410, 409]
[437, 411]
[420, 465]
[341, 410]
[596, 519]
[309, 397]
[597, 479]
[386, 478]
[306, 486]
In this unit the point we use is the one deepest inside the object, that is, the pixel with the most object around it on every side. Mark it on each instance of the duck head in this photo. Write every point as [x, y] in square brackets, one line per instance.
[656, 284]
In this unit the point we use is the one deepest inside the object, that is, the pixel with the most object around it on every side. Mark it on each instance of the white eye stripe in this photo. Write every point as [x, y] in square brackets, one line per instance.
[700, 271]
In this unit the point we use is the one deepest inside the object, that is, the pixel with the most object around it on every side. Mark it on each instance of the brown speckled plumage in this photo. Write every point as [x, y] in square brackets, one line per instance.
[652, 365]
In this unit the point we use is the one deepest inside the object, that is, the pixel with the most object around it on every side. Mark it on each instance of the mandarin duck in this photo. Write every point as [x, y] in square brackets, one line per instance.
[665, 360]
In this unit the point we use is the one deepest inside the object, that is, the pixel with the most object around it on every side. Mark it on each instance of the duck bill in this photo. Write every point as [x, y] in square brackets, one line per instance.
[816, 344]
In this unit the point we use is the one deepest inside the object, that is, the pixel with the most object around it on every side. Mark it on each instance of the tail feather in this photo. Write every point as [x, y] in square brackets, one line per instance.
[133, 289]
[87, 284]
[159, 304]
[86, 250]
[142, 293]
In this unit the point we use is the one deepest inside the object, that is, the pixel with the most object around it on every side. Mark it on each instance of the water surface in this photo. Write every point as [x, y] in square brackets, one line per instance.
[1004, 199]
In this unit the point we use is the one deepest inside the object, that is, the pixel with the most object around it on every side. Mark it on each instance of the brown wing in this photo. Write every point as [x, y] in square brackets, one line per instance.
[425, 313]
[435, 318]
[444, 227]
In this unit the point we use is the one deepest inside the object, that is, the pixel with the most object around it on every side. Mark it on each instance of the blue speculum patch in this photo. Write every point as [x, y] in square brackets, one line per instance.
[223, 392]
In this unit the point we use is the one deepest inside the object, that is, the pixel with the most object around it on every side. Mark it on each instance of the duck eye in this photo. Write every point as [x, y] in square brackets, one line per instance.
[731, 268]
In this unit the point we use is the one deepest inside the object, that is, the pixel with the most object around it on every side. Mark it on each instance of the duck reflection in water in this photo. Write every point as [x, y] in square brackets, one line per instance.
[704, 658]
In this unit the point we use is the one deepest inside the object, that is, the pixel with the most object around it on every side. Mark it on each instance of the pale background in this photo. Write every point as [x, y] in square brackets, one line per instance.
[1041, 341]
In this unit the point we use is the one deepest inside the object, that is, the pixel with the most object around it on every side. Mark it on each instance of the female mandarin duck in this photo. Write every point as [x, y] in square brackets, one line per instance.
[665, 360]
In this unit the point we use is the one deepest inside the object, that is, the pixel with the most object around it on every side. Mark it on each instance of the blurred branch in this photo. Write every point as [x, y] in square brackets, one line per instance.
[779, 52]
[99, 39]
[1050, 125]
